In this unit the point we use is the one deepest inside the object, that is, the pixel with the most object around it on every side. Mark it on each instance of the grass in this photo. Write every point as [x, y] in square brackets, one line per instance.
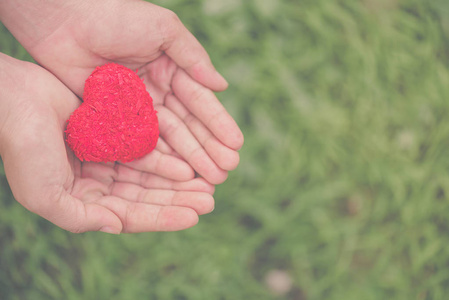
[343, 183]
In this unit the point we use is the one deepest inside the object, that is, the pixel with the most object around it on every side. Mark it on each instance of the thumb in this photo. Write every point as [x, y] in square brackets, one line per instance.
[186, 51]
[75, 216]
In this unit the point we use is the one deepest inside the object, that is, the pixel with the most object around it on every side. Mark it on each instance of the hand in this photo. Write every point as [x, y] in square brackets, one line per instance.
[71, 38]
[47, 179]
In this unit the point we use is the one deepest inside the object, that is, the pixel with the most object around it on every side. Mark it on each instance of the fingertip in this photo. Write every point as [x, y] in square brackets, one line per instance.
[217, 177]
[234, 138]
[239, 140]
[231, 163]
[221, 82]
[109, 229]
[207, 204]
[212, 173]
[176, 218]
[226, 130]
[185, 172]
[206, 186]
[205, 73]
[225, 158]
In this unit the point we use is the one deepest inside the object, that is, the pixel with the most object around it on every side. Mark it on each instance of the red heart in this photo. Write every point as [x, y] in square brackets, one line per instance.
[117, 121]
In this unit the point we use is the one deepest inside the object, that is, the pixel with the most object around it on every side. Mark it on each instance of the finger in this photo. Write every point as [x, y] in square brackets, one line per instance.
[163, 147]
[75, 216]
[226, 158]
[203, 103]
[99, 171]
[181, 46]
[178, 136]
[142, 217]
[202, 203]
[152, 181]
[70, 213]
[163, 165]
[157, 77]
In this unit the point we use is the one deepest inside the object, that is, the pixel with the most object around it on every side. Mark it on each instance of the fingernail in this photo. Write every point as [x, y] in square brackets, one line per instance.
[108, 229]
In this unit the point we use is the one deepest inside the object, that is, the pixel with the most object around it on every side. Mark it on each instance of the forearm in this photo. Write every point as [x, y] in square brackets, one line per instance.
[32, 21]
[9, 71]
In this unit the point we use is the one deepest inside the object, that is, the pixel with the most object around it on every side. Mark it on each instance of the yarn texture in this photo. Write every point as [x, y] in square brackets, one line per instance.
[116, 121]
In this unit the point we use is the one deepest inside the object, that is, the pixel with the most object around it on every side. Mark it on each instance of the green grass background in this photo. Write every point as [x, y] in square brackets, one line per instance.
[344, 177]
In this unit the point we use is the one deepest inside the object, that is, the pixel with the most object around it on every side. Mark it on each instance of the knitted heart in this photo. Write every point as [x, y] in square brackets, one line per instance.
[117, 121]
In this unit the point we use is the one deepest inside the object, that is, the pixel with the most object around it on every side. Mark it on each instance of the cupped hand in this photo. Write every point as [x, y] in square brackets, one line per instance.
[71, 38]
[156, 193]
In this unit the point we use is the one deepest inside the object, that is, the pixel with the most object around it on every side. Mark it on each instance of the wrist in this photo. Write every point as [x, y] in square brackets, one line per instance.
[33, 21]
[7, 81]
[13, 76]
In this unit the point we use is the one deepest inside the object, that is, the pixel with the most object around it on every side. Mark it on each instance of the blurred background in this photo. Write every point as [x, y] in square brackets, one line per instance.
[342, 191]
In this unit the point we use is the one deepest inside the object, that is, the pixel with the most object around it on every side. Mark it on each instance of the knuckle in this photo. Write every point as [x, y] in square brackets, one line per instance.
[172, 16]
[197, 94]
[169, 24]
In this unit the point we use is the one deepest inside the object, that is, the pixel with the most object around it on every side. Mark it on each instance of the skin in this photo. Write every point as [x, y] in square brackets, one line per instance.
[71, 38]
[47, 179]
[158, 192]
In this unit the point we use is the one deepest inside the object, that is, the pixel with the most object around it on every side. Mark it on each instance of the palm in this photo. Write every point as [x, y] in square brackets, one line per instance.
[136, 201]
[158, 192]
[193, 122]
[47, 179]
